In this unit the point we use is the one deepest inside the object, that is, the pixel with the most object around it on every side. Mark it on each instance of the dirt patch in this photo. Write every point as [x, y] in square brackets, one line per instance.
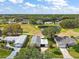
[69, 32]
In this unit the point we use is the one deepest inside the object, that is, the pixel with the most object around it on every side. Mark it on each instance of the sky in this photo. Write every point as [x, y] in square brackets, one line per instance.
[39, 6]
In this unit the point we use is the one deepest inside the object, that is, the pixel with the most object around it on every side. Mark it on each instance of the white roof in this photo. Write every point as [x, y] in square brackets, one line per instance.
[21, 39]
[17, 39]
[11, 38]
[44, 41]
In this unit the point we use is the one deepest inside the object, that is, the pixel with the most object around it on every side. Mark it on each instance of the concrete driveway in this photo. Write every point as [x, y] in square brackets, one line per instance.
[65, 53]
[20, 40]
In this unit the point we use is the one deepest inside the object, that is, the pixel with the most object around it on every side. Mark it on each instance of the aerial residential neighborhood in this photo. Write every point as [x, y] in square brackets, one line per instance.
[39, 29]
[39, 36]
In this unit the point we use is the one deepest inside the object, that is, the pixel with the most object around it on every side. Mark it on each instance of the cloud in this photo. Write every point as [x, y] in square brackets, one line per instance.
[16, 1]
[59, 3]
[8, 8]
[27, 4]
[56, 3]
[2, 0]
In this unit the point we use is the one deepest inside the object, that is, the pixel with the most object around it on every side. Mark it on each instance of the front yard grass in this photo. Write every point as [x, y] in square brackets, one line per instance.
[73, 53]
[63, 30]
[4, 53]
[54, 53]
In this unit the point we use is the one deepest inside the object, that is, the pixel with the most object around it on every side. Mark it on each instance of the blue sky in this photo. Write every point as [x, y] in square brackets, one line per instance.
[39, 6]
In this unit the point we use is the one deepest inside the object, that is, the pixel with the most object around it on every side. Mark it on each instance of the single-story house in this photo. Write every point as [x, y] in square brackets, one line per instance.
[18, 40]
[64, 41]
[11, 38]
[39, 42]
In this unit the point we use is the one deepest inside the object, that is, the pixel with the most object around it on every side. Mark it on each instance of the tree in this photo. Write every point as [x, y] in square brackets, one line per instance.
[31, 53]
[12, 29]
[51, 31]
[33, 21]
[70, 23]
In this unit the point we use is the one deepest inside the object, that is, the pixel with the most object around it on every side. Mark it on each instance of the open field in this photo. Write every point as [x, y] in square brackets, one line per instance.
[30, 29]
[69, 32]
[27, 28]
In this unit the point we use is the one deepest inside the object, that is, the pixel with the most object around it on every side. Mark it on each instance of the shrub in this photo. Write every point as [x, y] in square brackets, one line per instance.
[76, 47]
[57, 51]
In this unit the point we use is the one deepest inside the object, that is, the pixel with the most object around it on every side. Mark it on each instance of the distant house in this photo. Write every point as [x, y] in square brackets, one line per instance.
[47, 21]
[19, 20]
[25, 21]
[39, 42]
[44, 21]
[11, 21]
[57, 19]
[39, 21]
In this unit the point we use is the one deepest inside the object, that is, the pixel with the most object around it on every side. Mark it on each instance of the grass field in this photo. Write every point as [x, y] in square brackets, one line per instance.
[4, 53]
[69, 32]
[30, 29]
[27, 28]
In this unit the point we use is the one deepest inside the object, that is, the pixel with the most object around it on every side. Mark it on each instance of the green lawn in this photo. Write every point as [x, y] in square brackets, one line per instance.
[21, 54]
[63, 30]
[73, 53]
[30, 29]
[4, 53]
[76, 29]
[54, 53]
